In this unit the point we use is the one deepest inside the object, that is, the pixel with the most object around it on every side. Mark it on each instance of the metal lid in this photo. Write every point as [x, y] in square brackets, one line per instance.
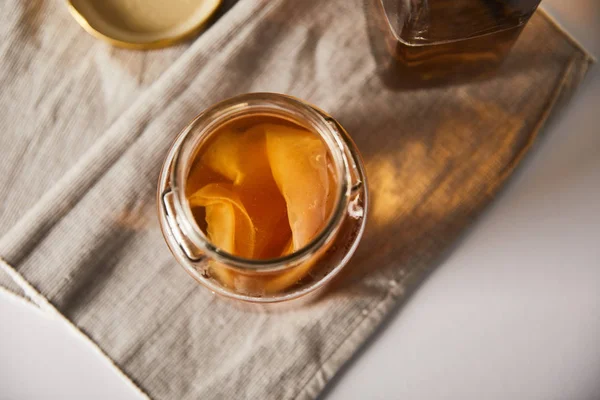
[142, 25]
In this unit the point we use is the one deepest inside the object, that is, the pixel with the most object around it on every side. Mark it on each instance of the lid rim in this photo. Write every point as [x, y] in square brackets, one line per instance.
[141, 45]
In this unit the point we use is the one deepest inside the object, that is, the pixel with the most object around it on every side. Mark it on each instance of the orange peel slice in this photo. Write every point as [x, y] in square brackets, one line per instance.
[229, 226]
[298, 160]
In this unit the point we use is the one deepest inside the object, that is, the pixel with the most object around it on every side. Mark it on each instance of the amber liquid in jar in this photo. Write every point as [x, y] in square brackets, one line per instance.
[261, 187]
[442, 41]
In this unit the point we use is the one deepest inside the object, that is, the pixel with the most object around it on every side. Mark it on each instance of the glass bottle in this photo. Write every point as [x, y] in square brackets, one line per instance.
[293, 276]
[429, 42]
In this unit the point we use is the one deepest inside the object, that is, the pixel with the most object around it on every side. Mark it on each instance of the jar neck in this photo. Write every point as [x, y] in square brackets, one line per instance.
[269, 104]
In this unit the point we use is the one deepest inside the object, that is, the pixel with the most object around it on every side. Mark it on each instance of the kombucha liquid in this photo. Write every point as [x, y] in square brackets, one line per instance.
[261, 187]
[439, 40]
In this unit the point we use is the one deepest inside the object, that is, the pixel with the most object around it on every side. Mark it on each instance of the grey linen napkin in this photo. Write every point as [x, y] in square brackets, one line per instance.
[84, 129]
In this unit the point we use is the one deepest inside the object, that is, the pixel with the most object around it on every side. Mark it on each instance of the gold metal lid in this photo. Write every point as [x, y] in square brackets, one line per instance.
[148, 24]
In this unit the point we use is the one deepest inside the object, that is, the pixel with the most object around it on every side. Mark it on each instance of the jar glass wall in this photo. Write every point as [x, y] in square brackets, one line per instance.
[275, 279]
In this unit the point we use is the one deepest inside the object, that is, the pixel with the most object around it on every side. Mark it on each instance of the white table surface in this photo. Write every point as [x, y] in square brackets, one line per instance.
[513, 313]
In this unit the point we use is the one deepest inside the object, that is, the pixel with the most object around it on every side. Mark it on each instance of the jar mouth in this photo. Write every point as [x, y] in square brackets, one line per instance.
[270, 104]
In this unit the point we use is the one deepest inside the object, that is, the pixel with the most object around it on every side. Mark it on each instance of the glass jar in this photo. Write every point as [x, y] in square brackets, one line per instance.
[428, 42]
[272, 280]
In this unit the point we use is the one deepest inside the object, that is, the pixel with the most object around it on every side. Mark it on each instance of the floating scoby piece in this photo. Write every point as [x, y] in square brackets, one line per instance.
[229, 226]
[298, 160]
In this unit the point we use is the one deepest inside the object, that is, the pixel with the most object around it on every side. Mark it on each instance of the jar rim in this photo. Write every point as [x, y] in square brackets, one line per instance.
[279, 105]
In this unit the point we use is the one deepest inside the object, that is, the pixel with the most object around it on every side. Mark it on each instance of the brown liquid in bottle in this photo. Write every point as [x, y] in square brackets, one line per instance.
[440, 41]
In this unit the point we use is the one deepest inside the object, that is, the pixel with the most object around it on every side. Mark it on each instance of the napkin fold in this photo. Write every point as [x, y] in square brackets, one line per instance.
[84, 130]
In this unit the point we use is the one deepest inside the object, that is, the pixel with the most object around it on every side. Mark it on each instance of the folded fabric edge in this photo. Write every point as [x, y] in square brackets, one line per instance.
[36, 298]
[571, 79]
[558, 26]
[358, 337]
[15, 296]
[7, 284]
